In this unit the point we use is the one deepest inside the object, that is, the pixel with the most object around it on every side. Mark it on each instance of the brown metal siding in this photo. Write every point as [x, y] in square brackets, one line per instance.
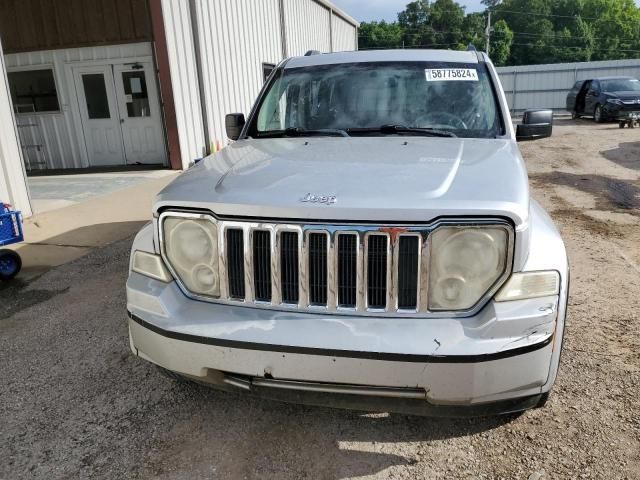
[32, 25]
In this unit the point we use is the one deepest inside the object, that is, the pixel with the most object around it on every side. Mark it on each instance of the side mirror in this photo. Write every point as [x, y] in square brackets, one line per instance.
[234, 123]
[536, 124]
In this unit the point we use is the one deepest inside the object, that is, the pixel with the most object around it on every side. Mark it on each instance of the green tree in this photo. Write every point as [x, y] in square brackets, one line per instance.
[501, 40]
[524, 31]
[446, 20]
[473, 30]
[414, 20]
[380, 35]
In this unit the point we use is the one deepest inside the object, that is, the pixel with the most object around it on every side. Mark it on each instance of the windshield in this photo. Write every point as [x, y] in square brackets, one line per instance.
[361, 98]
[621, 85]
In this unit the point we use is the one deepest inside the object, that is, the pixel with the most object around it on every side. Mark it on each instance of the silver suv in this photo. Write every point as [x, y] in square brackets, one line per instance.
[368, 241]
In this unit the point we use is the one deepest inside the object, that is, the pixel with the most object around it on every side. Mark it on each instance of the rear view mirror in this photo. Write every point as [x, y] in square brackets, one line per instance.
[234, 123]
[536, 124]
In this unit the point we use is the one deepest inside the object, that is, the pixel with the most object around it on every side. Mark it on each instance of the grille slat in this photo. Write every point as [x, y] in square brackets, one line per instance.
[408, 261]
[262, 265]
[318, 269]
[377, 271]
[347, 270]
[289, 267]
[235, 263]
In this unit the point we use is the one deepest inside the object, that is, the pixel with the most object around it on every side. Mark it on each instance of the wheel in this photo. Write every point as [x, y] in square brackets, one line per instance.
[10, 264]
[621, 124]
[598, 115]
[632, 125]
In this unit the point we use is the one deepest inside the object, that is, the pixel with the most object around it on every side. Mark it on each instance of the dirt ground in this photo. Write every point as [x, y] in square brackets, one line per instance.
[74, 402]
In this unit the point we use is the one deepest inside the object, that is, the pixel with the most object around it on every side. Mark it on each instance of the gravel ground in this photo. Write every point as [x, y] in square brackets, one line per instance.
[74, 402]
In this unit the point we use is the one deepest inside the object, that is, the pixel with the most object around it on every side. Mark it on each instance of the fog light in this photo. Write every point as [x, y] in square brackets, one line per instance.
[530, 285]
[150, 265]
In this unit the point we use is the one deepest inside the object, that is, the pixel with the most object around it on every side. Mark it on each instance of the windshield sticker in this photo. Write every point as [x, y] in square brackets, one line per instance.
[451, 74]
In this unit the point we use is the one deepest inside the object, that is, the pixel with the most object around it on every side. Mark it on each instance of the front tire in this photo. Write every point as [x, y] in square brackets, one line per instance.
[10, 264]
[598, 114]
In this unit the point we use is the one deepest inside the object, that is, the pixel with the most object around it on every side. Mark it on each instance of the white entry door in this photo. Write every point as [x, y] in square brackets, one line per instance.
[140, 114]
[100, 117]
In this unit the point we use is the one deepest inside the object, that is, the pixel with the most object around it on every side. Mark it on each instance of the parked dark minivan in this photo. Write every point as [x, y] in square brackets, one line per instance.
[606, 98]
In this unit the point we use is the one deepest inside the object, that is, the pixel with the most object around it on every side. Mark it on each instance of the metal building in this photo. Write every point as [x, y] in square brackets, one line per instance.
[100, 83]
[546, 86]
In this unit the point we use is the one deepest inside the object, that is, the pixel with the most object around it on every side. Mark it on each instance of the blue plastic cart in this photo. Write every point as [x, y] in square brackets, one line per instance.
[10, 232]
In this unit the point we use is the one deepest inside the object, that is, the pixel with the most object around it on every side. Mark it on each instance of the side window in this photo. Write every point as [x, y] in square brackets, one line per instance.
[33, 91]
[267, 68]
[595, 87]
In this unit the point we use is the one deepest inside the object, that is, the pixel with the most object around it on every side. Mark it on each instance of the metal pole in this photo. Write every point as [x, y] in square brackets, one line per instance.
[488, 32]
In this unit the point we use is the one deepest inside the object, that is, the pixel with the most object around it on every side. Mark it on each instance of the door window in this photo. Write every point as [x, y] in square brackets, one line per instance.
[95, 92]
[135, 90]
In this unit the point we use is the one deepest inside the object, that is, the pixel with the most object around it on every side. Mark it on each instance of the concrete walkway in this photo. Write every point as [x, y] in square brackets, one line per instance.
[57, 191]
[81, 212]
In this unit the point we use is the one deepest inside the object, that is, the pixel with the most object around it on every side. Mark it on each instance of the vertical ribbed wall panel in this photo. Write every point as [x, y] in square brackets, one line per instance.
[546, 86]
[236, 38]
[307, 27]
[345, 37]
[184, 79]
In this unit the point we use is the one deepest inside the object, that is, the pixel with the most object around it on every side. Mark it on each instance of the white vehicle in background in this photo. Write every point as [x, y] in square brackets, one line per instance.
[368, 241]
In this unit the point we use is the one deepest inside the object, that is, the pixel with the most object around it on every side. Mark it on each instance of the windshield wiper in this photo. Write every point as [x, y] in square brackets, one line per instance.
[401, 129]
[301, 132]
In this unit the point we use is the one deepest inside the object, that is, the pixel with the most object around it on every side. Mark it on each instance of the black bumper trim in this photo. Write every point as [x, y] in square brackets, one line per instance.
[389, 357]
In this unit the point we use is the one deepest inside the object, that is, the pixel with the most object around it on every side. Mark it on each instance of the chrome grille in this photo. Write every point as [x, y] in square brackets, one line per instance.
[408, 261]
[318, 268]
[347, 270]
[235, 263]
[262, 265]
[341, 268]
[376, 271]
[289, 267]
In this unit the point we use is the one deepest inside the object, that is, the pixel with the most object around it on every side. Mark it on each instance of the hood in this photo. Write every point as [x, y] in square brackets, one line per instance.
[385, 179]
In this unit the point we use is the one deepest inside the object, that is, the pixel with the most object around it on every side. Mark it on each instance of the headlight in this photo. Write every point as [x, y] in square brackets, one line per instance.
[191, 248]
[464, 264]
[614, 101]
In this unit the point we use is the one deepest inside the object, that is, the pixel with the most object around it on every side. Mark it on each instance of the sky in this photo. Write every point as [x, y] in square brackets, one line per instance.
[367, 10]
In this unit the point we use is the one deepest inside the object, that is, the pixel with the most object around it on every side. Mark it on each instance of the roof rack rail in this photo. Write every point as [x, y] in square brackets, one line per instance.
[471, 48]
[312, 52]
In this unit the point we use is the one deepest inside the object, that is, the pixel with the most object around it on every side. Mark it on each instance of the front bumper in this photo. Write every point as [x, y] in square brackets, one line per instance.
[502, 359]
[444, 386]
[505, 352]
[622, 112]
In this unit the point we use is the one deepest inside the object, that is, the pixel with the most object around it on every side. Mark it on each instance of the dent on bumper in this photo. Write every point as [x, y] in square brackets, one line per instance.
[503, 352]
